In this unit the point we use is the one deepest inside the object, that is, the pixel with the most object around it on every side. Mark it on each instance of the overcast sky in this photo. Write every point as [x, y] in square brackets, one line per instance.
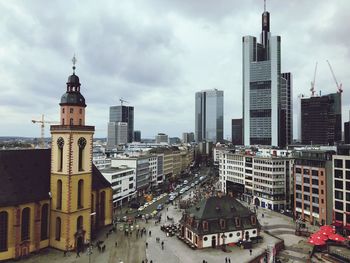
[156, 54]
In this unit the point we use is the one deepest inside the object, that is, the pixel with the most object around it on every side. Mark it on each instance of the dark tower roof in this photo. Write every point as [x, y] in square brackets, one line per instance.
[73, 97]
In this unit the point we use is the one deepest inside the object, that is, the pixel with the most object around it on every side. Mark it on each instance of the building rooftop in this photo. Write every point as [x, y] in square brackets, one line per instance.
[25, 176]
[115, 169]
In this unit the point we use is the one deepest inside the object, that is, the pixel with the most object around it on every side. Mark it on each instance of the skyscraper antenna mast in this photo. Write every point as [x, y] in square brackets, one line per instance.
[264, 5]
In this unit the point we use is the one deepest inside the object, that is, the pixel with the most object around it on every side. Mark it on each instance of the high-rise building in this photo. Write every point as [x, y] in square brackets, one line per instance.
[123, 114]
[341, 189]
[313, 177]
[117, 134]
[209, 115]
[137, 136]
[187, 137]
[321, 119]
[237, 131]
[162, 138]
[347, 132]
[267, 94]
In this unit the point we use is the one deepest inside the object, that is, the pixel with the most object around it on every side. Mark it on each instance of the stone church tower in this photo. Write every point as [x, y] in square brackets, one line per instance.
[71, 171]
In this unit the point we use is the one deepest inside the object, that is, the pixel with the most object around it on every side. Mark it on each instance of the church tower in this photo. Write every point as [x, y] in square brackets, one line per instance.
[71, 171]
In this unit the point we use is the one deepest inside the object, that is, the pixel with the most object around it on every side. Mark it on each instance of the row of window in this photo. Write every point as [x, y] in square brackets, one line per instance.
[80, 194]
[71, 110]
[25, 226]
[81, 144]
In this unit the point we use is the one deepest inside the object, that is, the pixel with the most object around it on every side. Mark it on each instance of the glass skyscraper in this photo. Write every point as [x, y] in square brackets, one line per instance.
[123, 114]
[209, 115]
[267, 96]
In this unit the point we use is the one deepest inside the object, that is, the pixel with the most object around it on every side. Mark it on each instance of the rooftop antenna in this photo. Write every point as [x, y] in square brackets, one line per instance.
[264, 5]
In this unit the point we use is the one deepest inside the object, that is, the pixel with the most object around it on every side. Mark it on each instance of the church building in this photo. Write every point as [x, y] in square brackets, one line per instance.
[54, 197]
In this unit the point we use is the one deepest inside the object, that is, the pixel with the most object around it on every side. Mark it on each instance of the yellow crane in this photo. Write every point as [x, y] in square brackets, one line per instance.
[42, 125]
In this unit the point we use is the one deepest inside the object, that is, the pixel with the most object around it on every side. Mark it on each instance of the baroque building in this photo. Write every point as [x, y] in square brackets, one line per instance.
[54, 197]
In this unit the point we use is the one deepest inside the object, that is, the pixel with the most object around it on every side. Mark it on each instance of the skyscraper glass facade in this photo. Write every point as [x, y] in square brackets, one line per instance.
[209, 115]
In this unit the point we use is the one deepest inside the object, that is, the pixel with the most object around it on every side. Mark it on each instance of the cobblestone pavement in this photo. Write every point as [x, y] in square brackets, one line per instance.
[175, 251]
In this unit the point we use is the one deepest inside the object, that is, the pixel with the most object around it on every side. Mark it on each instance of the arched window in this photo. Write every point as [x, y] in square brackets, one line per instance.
[59, 195]
[44, 220]
[81, 144]
[103, 206]
[58, 229]
[81, 193]
[62, 121]
[60, 144]
[71, 121]
[3, 230]
[79, 223]
[25, 224]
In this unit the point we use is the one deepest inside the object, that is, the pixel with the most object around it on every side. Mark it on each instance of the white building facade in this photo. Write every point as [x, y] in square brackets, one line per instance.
[262, 181]
[123, 180]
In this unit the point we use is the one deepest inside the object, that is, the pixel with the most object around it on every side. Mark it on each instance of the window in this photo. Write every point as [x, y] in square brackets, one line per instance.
[59, 195]
[315, 191]
[71, 121]
[338, 216]
[62, 110]
[131, 186]
[81, 144]
[62, 121]
[205, 238]
[338, 205]
[338, 195]
[60, 144]
[338, 163]
[71, 110]
[238, 234]
[3, 230]
[298, 170]
[222, 223]
[338, 174]
[44, 220]
[314, 173]
[58, 229]
[25, 224]
[80, 122]
[80, 193]
[338, 184]
[237, 221]
[80, 111]
[347, 175]
[205, 225]
[79, 223]
[347, 164]
[230, 235]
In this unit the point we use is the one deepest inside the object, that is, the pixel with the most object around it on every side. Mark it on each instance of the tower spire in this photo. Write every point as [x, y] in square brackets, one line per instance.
[264, 6]
[74, 60]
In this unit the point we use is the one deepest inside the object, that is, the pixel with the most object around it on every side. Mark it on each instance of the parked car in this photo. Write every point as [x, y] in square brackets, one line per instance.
[160, 207]
[192, 185]
[141, 208]
[185, 182]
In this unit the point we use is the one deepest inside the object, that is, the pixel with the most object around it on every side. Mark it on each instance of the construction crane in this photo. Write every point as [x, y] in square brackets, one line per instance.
[42, 123]
[339, 85]
[122, 101]
[313, 82]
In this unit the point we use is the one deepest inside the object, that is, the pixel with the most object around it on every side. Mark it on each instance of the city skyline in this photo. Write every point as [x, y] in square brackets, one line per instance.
[157, 64]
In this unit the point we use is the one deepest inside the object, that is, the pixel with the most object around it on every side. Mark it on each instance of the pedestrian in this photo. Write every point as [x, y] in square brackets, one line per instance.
[78, 254]
[149, 233]
[225, 259]
[262, 215]
[151, 261]
[229, 260]
[250, 251]
[116, 243]
[143, 261]
[146, 245]
[162, 245]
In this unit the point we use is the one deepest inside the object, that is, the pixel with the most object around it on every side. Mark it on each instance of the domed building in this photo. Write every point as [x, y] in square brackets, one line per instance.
[54, 197]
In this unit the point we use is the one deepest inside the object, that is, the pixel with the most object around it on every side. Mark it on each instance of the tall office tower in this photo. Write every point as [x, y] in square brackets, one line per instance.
[209, 115]
[321, 119]
[266, 92]
[237, 131]
[347, 132]
[123, 114]
[117, 134]
[137, 136]
[187, 137]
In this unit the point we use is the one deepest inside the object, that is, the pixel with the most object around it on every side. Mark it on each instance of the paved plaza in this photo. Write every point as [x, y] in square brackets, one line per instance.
[132, 249]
